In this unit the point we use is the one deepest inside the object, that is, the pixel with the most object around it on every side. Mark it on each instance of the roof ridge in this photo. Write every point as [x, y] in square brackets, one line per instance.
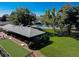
[25, 31]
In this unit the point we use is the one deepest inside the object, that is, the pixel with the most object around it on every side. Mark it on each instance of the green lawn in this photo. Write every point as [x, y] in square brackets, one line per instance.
[62, 46]
[49, 30]
[12, 48]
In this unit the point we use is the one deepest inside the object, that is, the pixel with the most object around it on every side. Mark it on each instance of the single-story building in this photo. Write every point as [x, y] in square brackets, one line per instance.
[32, 36]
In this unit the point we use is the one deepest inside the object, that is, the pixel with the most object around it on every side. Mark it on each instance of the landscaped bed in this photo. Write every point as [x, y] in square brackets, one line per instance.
[62, 46]
[12, 48]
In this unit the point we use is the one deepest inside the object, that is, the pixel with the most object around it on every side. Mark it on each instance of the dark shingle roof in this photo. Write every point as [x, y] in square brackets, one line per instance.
[25, 31]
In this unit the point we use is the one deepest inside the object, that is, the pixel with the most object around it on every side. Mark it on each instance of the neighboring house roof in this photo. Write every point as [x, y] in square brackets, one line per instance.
[25, 31]
[3, 23]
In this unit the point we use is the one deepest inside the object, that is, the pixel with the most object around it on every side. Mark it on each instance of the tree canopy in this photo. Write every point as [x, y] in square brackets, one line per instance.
[65, 17]
[22, 16]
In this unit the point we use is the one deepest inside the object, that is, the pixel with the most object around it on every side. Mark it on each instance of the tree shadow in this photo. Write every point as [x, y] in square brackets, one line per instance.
[75, 35]
[62, 34]
[49, 34]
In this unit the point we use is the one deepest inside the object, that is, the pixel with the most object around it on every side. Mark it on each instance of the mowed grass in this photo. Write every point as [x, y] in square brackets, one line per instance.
[62, 47]
[51, 30]
[13, 49]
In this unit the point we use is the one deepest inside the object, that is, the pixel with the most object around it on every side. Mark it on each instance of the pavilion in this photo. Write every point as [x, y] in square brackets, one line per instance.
[28, 34]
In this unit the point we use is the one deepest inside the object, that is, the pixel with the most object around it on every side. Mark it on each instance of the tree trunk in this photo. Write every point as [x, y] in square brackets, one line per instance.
[61, 29]
[69, 29]
[53, 26]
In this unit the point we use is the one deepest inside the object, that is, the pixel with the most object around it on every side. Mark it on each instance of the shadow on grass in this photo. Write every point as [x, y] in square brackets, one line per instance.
[43, 43]
[75, 35]
[40, 45]
[49, 34]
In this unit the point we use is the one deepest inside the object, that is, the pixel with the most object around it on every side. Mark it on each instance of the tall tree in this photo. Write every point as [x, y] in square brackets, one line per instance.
[68, 17]
[53, 12]
[22, 16]
[4, 17]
